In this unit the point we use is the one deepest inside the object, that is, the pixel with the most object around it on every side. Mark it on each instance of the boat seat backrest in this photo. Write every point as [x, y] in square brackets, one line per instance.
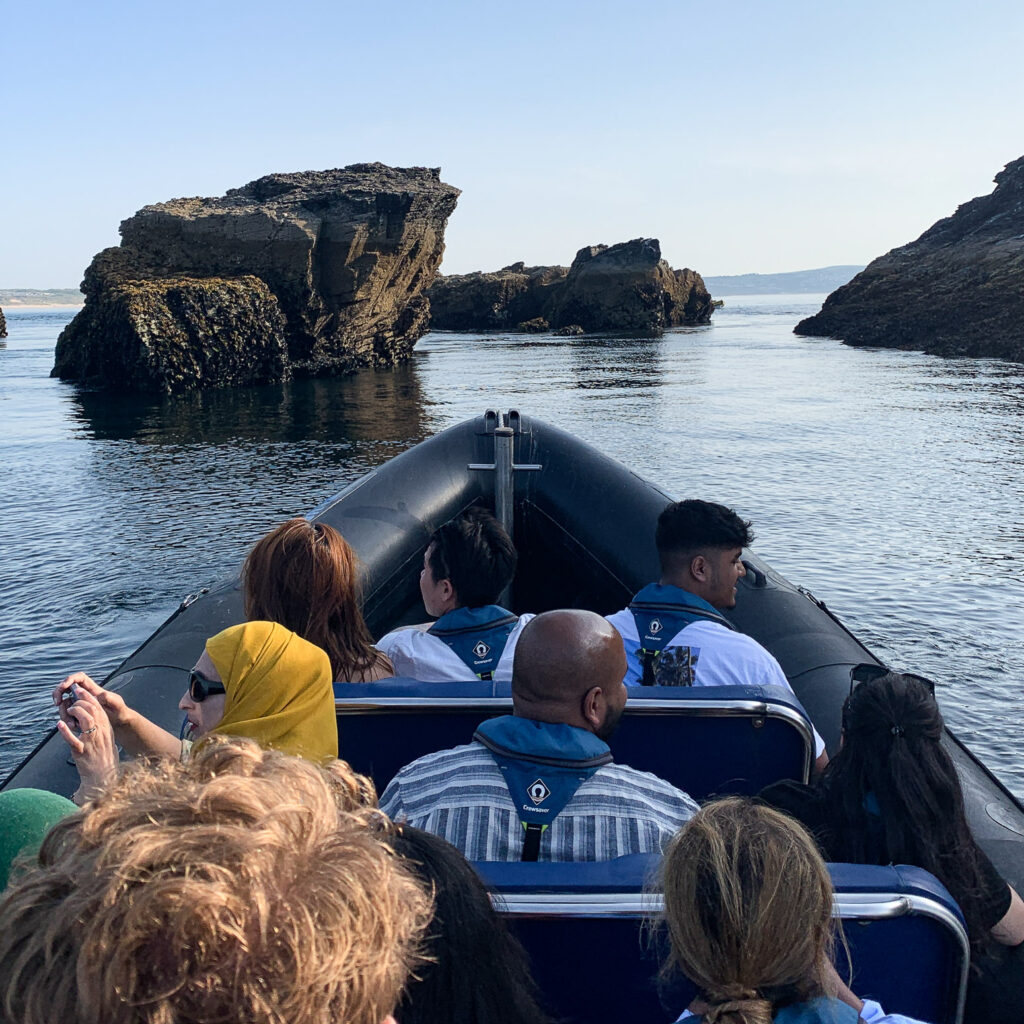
[705, 740]
[906, 937]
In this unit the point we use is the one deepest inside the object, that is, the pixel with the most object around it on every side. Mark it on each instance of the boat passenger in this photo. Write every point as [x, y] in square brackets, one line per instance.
[306, 576]
[540, 784]
[26, 815]
[892, 795]
[673, 630]
[469, 562]
[465, 931]
[241, 885]
[748, 904]
[256, 679]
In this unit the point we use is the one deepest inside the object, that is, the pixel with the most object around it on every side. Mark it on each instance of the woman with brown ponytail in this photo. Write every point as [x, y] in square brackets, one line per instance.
[748, 902]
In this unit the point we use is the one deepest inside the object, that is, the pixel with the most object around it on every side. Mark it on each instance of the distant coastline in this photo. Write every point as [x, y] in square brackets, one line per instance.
[13, 297]
[796, 282]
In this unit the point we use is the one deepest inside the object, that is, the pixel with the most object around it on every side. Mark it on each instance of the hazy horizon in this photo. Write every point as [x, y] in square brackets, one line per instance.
[742, 136]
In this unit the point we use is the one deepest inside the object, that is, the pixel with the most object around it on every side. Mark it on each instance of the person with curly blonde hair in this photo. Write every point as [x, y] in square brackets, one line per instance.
[241, 885]
[748, 904]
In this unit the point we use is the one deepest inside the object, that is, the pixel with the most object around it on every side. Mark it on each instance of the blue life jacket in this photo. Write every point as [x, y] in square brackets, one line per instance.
[477, 635]
[543, 764]
[660, 612]
[822, 1010]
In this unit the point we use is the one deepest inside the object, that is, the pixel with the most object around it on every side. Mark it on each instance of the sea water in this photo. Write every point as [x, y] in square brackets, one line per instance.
[889, 483]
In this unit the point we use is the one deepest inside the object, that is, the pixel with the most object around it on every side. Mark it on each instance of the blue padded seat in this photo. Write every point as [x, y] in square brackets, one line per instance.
[907, 940]
[705, 739]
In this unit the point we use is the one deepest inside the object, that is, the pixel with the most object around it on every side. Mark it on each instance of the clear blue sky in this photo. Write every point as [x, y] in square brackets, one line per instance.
[747, 136]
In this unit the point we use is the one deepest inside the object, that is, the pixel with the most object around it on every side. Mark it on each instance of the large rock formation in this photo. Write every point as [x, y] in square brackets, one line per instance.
[316, 273]
[624, 287]
[3, 325]
[957, 291]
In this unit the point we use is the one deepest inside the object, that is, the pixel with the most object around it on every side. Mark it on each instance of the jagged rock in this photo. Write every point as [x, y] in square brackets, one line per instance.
[570, 330]
[629, 287]
[3, 325]
[176, 334]
[538, 325]
[486, 302]
[958, 290]
[344, 257]
[621, 287]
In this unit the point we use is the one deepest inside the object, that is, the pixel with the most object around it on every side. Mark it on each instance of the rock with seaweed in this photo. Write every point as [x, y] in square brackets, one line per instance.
[315, 273]
[624, 287]
[958, 290]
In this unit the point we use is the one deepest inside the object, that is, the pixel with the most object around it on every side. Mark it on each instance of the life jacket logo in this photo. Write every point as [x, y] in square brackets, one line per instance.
[655, 627]
[538, 791]
[480, 649]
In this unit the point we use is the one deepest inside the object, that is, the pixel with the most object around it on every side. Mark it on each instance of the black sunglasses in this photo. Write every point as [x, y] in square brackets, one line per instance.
[199, 687]
[866, 672]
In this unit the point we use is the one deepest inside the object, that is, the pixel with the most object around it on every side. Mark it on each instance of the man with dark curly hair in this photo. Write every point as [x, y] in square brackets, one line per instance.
[241, 885]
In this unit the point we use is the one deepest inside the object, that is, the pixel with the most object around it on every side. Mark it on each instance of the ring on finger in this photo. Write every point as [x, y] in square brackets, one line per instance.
[85, 732]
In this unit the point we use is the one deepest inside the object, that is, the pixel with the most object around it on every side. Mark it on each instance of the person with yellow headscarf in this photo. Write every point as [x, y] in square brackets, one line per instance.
[257, 680]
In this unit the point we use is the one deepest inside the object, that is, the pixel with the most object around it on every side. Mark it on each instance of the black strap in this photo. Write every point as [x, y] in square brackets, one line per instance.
[485, 676]
[531, 840]
[648, 658]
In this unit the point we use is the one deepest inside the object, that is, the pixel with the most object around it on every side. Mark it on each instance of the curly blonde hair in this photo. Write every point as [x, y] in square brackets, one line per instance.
[241, 885]
[748, 903]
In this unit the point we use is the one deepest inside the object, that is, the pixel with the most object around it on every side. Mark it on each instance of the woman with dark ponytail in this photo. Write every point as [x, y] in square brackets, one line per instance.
[891, 795]
[748, 904]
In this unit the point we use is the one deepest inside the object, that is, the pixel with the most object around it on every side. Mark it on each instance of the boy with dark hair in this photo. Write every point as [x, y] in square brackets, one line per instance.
[674, 631]
[469, 562]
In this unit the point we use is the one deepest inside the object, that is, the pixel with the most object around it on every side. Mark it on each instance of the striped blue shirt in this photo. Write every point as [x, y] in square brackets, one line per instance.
[460, 795]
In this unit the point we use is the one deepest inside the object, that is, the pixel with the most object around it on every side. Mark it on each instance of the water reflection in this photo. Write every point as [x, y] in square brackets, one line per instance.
[374, 406]
[615, 362]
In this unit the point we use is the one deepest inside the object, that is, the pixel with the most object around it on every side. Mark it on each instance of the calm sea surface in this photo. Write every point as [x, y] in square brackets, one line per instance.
[889, 483]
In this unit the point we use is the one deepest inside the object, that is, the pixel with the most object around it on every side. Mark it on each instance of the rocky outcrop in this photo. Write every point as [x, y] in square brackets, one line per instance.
[3, 325]
[492, 301]
[624, 287]
[315, 273]
[956, 291]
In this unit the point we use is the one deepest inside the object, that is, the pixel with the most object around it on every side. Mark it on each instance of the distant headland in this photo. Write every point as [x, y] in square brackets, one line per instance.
[795, 282]
[41, 297]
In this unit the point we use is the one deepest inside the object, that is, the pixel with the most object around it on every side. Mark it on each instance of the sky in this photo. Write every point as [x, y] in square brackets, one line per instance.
[746, 136]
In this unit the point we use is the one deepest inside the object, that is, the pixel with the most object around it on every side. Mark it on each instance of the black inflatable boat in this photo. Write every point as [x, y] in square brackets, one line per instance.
[584, 525]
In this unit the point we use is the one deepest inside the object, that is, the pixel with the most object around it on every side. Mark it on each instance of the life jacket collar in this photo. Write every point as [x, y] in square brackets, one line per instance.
[478, 636]
[543, 764]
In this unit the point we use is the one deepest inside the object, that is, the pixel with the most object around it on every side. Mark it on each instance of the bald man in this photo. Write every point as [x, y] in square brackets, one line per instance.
[540, 784]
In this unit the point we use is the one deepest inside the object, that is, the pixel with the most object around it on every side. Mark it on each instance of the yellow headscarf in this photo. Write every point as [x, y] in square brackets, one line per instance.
[279, 690]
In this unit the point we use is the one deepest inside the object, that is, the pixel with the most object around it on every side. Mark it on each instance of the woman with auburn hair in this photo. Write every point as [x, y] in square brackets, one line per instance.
[257, 680]
[891, 795]
[241, 885]
[306, 576]
[748, 904]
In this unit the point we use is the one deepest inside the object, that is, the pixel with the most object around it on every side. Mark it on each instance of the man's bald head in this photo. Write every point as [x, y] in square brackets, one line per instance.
[561, 659]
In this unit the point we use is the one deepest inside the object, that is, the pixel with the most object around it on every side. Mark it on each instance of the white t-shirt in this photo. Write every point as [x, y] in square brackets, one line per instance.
[416, 653]
[713, 654]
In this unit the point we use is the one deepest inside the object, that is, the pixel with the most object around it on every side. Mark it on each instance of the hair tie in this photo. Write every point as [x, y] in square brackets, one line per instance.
[897, 730]
[750, 1003]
